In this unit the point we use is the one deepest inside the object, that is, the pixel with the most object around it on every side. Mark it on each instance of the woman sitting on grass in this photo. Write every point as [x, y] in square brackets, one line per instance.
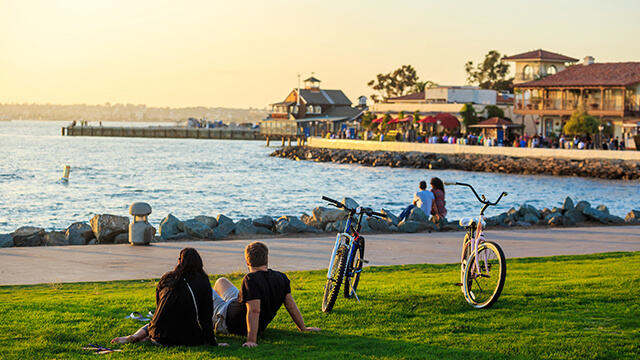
[184, 307]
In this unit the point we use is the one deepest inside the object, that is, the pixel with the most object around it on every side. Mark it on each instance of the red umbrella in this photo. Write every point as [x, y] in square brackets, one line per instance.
[377, 121]
[392, 121]
[447, 120]
[406, 118]
[429, 120]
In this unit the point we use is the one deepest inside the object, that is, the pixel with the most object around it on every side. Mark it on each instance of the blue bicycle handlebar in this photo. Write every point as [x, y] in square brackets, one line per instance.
[366, 211]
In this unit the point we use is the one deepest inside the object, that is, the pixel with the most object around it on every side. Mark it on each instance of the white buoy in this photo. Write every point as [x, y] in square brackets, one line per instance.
[65, 173]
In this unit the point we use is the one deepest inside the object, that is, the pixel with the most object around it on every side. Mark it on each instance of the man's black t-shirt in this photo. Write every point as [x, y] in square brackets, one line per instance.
[270, 287]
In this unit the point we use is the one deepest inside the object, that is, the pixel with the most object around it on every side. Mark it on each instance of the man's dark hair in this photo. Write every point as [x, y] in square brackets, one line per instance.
[256, 254]
[423, 185]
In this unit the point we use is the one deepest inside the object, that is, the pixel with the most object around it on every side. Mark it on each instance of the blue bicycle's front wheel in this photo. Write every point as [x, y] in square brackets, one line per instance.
[332, 286]
[352, 277]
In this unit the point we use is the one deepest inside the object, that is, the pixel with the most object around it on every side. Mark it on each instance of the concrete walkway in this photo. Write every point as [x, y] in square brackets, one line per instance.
[37, 265]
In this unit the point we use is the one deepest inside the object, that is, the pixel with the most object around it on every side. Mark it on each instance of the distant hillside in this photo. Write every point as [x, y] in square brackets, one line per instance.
[128, 112]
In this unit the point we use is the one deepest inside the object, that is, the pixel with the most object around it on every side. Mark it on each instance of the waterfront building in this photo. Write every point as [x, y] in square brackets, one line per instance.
[609, 91]
[445, 99]
[537, 64]
[312, 111]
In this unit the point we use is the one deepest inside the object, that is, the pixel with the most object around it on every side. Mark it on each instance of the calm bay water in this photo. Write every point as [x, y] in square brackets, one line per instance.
[237, 178]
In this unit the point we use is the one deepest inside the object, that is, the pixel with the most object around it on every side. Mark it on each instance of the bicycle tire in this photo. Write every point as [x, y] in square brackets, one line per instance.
[483, 289]
[466, 251]
[354, 269]
[332, 286]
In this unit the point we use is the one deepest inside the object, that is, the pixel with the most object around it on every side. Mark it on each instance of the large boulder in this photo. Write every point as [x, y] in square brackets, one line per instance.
[603, 208]
[56, 238]
[323, 216]
[169, 227]
[379, 225]
[79, 233]
[409, 226]
[6, 240]
[417, 215]
[245, 227]
[596, 215]
[207, 220]
[567, 204]
[224, 228]
[28, 236]
[575, 216]
[350, 203]
[392, 219]
[530, 219]
[555, 219]
[526, 209]
[196, 228]
[632, 217]
[106, 227]
[290, 224]
[582, 206]
[121, 239]
[309, 220]
[265, 222]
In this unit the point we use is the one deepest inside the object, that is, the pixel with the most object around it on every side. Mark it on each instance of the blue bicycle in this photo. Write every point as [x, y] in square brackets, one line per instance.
[347, 258]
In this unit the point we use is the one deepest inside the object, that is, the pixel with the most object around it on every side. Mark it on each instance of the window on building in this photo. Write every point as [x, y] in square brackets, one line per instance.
[551, 70]
[527, 73]
[310, 109]
[318, 109]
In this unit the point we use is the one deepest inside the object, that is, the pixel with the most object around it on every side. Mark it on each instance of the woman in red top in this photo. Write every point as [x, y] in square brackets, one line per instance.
[438, 208]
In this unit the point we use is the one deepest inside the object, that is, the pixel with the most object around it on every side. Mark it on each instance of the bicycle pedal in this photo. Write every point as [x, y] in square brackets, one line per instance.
[458, 284]
[365, 261]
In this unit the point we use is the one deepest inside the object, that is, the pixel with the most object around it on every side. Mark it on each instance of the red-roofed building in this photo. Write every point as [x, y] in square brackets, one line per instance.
[537, 64]
[610, 91]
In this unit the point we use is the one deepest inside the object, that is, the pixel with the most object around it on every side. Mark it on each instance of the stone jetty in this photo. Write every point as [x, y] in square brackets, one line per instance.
[595, 168]
[113, 229]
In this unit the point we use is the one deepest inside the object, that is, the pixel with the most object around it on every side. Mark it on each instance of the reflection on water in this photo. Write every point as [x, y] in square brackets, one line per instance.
[236, 178]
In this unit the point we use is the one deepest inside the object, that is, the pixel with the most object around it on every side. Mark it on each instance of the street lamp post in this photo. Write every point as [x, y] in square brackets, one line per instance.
[504, 134]
[600, 127]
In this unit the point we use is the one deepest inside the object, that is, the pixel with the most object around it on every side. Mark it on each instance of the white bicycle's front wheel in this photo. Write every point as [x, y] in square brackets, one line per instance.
[483, 284]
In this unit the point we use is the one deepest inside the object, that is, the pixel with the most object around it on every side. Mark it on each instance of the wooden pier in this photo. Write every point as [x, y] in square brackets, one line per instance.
[164, 132]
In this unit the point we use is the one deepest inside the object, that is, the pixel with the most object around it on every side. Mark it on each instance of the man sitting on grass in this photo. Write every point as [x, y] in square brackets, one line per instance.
[247, 311]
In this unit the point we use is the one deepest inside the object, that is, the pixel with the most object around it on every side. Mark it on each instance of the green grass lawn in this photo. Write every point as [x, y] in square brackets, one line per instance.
[567, 307]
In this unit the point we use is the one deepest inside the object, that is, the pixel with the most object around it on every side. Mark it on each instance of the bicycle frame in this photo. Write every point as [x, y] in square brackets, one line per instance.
[348, 241]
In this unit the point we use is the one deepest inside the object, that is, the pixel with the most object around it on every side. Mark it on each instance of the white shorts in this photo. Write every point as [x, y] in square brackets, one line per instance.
[220, 305]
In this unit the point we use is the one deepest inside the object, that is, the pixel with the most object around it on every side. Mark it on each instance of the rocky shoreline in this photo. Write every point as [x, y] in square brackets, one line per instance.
[595, 168]
[113, 229]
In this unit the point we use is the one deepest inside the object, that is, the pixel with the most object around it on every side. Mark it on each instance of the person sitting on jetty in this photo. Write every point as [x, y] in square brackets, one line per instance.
[422, 199]
[184, 307]
[247, 311]
[439, 210]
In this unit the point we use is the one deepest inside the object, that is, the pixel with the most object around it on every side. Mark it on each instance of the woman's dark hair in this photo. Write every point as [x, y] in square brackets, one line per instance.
[189, 264]
[437, 183]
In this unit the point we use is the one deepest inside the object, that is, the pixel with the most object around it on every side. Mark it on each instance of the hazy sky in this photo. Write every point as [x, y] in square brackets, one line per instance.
[248, 53]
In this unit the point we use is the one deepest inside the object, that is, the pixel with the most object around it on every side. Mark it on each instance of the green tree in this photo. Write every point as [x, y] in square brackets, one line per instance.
[419, 86]
[366, 120]
[401, 115]
[490, 74]
[393, 84]
[581, 123]
[469, 116]
[383, 124]
[416, 116]
[494, 111]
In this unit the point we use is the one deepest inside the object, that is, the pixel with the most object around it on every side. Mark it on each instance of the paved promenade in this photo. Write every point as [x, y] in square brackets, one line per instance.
[124, 262]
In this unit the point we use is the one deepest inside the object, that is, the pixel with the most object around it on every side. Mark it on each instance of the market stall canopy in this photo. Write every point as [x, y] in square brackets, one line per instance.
[377, 121]
[392, 121]
[428, 120]
[406, 118]
[447, 120]
[495, 122]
